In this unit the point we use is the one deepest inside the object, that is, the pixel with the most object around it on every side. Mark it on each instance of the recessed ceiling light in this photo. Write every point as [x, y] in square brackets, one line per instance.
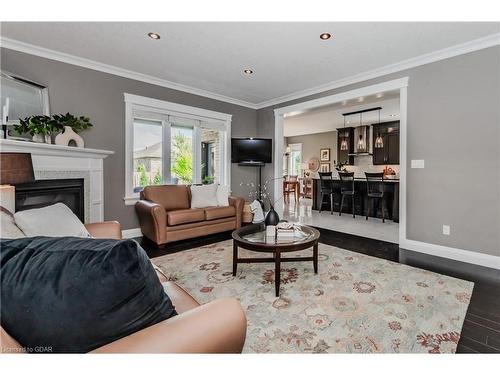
[393, 115]
[154, 36]
[325, 36]
[361, 99]
[248, 71]
[379, 95]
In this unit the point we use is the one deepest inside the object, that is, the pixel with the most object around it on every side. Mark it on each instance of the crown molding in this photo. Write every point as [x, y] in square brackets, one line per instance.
[459, 49]
[105, 68]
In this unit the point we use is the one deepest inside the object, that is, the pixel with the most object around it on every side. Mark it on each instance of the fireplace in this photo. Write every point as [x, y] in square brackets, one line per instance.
[42, 193]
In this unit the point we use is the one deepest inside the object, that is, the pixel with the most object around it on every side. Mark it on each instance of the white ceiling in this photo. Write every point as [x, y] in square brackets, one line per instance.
[330, 118]
[286, 57]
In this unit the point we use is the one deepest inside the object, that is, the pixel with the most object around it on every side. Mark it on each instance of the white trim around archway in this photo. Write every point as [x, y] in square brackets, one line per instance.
[279, 114]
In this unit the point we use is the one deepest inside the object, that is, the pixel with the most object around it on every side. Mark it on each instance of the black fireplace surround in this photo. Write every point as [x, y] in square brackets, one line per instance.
[42, 193]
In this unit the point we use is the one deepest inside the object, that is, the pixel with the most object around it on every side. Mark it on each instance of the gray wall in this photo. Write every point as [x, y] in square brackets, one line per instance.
[312, 143]
[100, 96]
[453, 124]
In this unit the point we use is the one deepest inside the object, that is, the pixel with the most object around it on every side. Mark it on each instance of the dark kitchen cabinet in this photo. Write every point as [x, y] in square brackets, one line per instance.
[343, 155]
[389, 153]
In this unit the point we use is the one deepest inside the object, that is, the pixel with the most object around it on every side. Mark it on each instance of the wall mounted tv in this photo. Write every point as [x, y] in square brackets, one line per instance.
[251, 150]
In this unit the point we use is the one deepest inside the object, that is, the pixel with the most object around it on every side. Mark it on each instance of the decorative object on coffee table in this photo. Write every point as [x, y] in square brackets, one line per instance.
[253, 237]
[272, 217]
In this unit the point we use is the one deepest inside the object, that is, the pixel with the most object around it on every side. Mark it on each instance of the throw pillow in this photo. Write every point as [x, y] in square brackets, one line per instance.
[56, 220]
[203, 196]
[222, 195]
[8, 227]
[76, 294]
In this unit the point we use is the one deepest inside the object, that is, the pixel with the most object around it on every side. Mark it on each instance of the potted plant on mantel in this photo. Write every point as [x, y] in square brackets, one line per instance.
[41, 128]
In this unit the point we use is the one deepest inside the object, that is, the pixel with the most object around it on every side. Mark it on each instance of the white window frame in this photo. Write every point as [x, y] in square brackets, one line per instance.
[163, 110]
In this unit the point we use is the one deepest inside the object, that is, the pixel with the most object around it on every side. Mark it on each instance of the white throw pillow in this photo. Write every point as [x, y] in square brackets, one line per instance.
[203, 196]
[52, 221]
[222, 195]
[8, 227]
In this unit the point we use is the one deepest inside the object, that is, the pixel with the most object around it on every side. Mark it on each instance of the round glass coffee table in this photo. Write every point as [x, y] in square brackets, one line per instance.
[253, 237]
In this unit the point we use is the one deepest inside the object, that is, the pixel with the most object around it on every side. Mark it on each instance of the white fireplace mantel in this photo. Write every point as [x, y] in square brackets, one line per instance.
[53, 161]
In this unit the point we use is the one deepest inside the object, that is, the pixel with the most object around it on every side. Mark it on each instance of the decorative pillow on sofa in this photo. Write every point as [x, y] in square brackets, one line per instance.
[203, 196]
[74, 294]
[56, 220]
[222, 195]
[8, 227]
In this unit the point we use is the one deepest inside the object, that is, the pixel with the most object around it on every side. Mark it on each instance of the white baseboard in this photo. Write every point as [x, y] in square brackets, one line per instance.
[131, 233]
[485, 260]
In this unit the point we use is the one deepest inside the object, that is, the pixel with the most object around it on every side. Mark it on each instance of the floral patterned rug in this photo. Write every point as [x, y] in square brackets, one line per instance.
[355, 304]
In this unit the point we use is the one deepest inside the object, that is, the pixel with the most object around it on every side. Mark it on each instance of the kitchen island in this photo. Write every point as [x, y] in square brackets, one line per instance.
[391, 191]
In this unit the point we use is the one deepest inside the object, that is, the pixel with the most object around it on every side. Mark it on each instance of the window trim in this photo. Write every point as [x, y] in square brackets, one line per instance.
[135, 103]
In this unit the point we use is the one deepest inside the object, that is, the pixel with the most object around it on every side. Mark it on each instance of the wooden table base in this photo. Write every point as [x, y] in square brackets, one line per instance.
[276, 259]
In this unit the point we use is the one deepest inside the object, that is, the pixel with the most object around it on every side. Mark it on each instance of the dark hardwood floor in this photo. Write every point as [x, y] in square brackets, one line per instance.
[481, 329]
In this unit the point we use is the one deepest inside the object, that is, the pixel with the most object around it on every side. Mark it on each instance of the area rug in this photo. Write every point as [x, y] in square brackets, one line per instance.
[355, 304]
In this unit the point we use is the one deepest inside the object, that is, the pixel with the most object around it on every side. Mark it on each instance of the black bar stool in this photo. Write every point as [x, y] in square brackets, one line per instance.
[375, 191]
[347, 189]
[326, 180]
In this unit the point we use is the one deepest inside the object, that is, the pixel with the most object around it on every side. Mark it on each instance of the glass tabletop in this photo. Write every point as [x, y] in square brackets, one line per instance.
[257, 234]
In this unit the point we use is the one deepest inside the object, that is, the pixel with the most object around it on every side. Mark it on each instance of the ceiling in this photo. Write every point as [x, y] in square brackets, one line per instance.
[329, 118]
[286, 57]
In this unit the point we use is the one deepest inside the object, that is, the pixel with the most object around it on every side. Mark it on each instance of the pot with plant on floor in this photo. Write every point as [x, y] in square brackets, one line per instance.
[40, 127]
[71, 125]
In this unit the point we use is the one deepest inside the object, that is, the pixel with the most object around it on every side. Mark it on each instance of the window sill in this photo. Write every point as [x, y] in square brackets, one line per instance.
[130, 201]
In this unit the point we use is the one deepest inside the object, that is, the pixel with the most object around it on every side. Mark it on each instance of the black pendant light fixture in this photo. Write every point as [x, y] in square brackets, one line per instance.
[379, 141]
[343, 145]
[361, 146]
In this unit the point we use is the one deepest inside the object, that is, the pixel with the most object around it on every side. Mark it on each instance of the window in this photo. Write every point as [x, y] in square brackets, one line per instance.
[168, 143]
[295, 159]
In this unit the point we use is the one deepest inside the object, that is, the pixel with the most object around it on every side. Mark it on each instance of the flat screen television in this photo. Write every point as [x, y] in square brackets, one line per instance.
[251, 150]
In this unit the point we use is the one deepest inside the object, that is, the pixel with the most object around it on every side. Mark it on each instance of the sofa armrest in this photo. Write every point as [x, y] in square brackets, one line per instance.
[217, 327]
[153, 220]
[106, 229]
[238, 204]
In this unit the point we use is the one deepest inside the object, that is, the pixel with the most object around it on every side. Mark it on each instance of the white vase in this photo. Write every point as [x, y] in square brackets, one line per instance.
[42, 138]
[68, 135]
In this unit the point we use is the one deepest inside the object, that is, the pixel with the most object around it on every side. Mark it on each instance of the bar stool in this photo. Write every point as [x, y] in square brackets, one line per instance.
[375, 191]
[326, 180]
[347, 189]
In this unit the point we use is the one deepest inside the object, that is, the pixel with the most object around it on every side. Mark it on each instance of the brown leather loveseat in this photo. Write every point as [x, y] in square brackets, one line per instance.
[165, 215]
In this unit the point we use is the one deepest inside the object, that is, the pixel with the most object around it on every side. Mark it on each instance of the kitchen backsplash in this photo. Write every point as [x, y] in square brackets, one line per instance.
[364, 163]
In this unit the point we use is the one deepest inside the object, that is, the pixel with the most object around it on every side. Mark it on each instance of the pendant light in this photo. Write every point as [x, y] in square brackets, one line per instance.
[343, 144]
[379, 141]
[361, 142]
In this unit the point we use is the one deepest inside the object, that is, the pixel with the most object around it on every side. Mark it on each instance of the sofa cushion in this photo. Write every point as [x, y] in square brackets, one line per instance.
[191, 215]
[212, 213]
[75, 294]
[171, 197]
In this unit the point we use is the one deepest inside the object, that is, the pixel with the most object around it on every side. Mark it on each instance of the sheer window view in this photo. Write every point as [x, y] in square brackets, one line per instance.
[181, 155]
[147, 153]
[295, 163]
